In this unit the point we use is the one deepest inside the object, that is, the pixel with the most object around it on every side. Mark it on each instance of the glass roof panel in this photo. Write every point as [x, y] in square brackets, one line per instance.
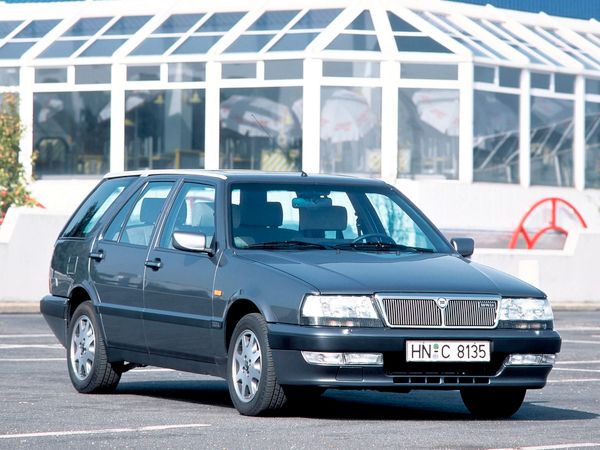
[471, 46]
[249, 43]
[103, 47]
[362, 22]
[316, 19]
[356, 42]
[516, 42]
[582, 56]
[490, 49]
[419, 44]
[7, 26]
[196, 45]
[178, 23]
[62, 49]
[399, 24]
[154, 46]
[221, 21]
[508, 31]
[582, 59]
[273, 20]
[477, 46]
[127, 25]
[293, 42]
[37, 28]
[87, 26]
[533, 57]
[14, 50]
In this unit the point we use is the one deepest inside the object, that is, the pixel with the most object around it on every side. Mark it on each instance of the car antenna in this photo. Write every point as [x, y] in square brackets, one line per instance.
[264, 131]
[303, 173]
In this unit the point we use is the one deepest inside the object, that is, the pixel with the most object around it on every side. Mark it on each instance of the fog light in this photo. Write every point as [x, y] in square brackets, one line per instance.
[343, 359]
[530, 360]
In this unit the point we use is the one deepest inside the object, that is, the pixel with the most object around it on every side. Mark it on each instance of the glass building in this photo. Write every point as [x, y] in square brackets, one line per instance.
[393, 89]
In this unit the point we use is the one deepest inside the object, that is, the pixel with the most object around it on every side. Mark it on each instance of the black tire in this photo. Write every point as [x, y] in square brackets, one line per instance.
[498, 403]
[87, 361]
[251, 376]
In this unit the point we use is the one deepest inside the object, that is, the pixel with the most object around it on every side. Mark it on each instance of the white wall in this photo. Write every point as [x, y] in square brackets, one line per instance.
[493, 206]
[62, 195]
[27, 238]
[567, 276]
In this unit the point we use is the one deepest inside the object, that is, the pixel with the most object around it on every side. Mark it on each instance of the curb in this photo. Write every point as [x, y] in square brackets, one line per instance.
[19, 307]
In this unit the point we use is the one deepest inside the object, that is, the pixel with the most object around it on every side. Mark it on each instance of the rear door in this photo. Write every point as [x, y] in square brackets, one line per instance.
[117, 266]
[178, 287]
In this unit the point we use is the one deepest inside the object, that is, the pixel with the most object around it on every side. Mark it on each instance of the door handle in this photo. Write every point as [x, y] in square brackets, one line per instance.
[98, 256]
[154, 264]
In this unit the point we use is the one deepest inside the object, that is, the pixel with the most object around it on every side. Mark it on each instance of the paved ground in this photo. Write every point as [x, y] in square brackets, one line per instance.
[160, 409]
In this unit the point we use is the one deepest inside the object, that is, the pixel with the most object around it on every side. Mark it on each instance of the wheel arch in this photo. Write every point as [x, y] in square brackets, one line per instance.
[77, 296]
[238, 309]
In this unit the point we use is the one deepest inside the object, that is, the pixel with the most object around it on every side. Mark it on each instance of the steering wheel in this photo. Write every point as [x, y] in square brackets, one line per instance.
[379, 237]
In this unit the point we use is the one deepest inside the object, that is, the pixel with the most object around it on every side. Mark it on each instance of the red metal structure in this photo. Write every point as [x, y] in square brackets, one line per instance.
[530, 241]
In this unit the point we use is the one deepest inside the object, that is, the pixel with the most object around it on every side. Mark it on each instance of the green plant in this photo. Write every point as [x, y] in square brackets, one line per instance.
[13, 183]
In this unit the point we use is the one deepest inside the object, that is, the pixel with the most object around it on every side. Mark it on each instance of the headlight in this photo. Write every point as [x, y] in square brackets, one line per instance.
[525, 313]
[339, 311]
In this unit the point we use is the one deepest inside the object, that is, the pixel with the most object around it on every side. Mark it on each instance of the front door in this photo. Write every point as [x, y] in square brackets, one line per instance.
[117, 266]
[178, 287]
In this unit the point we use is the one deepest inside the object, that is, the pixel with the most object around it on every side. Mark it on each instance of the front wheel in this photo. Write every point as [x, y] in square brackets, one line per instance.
[89, 369]
[251, 376]
[499, 403]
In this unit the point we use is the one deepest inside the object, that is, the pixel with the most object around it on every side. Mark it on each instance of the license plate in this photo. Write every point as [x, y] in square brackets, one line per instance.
[447, 351]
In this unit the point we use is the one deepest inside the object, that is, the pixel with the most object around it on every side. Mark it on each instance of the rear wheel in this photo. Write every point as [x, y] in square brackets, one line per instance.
[499, 403]
[251, 377]
[88, 365]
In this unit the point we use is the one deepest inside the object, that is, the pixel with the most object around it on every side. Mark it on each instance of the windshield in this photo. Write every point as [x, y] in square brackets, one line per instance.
[320, 217]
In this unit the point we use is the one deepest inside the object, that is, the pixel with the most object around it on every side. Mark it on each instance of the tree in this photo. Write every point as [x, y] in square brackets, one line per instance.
[13, 183]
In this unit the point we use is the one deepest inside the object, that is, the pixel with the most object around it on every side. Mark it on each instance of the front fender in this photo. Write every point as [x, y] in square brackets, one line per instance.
[276, 294]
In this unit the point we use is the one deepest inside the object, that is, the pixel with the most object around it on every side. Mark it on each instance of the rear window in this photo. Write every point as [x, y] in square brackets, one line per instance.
[92, 209]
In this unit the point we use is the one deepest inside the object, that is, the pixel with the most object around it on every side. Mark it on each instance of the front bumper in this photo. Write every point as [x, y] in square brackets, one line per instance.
[287, 342]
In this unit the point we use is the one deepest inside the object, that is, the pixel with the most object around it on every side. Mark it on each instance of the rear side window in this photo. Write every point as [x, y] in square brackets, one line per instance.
[92, 209]
[141, 214]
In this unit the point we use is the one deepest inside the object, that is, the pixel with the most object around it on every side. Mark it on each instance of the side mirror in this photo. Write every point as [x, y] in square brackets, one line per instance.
[463, 246]
[191, 242]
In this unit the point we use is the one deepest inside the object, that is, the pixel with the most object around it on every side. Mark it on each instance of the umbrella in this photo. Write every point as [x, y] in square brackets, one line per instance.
[257, 117]
[132, 102]
[438, 108]
[346, 116]
[52, 106]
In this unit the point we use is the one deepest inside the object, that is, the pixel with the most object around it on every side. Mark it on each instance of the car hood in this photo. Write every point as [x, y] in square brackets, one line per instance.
[356, 272]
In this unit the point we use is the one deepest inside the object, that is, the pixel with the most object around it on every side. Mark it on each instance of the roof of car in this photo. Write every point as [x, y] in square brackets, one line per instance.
[252, 176]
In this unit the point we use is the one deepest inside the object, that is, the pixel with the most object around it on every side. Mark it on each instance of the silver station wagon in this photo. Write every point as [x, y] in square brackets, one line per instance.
[287, 285]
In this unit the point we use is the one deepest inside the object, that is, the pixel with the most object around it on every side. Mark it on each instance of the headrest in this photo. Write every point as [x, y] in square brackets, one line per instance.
[269, 214]
[331, 218]
[235, 216]
[151, 209]
[202, 214]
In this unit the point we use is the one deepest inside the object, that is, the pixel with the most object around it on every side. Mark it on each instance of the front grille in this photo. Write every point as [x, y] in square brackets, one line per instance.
[439, 311]
[471, 313]
[411, 312]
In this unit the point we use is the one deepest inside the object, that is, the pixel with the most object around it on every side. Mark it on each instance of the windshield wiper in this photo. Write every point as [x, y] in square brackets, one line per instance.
[383, 246]
[288, 244]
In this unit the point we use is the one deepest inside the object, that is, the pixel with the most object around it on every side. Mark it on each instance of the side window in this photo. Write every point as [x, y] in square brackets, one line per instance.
[113, 232]
[193, 212]
[397, 223]
[92, 209]
[143, 216]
